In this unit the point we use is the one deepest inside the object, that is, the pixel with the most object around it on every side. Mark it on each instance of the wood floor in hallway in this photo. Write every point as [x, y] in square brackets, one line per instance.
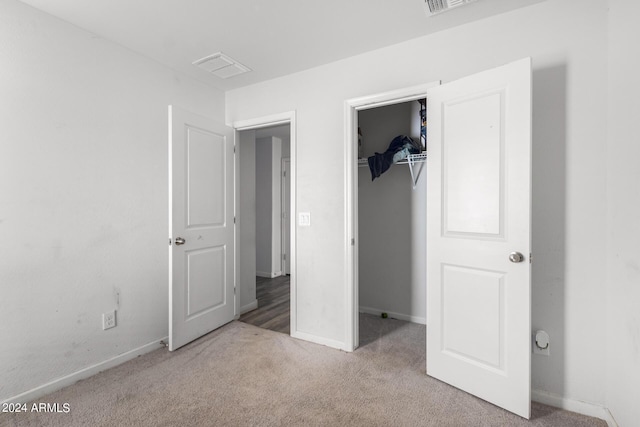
[273, 305]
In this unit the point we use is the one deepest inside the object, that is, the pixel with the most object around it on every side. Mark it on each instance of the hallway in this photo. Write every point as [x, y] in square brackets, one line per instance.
[273, 305]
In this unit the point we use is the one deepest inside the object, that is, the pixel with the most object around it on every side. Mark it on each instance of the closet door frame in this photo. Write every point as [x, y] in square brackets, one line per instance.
[351, 109]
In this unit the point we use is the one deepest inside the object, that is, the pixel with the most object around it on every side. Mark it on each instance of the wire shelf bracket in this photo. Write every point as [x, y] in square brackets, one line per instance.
[413, 160]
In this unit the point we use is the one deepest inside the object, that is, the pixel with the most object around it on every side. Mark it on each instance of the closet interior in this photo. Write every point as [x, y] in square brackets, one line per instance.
[392, 211]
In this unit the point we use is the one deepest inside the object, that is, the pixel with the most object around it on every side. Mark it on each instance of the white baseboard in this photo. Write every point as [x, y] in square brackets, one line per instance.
[249, 307]
[584, 408]
[57, 384]
[399, 316]
[319, 340]
[269, 274]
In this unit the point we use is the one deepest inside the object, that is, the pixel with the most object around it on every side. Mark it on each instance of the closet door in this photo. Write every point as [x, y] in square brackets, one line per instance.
[478, 235]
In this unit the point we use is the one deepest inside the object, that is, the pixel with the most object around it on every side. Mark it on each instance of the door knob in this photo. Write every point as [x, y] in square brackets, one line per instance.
[180, 241]
[516, 257]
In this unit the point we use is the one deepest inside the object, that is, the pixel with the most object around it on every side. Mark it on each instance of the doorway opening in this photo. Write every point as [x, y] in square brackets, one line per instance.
[385, 217]
[391, 215]
[265, 200]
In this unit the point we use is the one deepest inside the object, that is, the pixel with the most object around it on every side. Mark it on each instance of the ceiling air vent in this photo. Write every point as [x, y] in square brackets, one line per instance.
[220, 65]
[434, 7]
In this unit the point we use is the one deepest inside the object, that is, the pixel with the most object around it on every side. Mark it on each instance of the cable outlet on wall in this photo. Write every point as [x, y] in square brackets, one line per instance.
[541, 343]
[109, 320]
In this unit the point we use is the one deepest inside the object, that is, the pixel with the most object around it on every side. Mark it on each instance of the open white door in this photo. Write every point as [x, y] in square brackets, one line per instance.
[201, 226]
[478, 235]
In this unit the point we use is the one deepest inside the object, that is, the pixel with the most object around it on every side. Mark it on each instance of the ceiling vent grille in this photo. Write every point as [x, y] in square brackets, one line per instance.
[222, 66]
[434, 7]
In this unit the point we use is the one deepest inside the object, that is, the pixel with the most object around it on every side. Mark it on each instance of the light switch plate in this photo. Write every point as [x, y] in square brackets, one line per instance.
[304, 219]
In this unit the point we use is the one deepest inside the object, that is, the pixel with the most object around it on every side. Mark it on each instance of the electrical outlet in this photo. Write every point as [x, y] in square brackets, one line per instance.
[109, 320]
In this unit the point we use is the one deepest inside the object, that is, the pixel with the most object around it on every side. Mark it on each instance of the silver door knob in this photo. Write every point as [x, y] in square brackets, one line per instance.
[516, 257]
[180, 241]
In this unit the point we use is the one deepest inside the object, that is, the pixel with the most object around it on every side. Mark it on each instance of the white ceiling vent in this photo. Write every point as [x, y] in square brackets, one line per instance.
[221, 65]
[434, 7]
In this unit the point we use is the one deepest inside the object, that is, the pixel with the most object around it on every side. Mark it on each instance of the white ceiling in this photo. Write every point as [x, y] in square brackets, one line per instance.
[272, 37]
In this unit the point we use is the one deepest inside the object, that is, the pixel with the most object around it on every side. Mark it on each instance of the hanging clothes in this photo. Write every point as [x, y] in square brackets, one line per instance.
[399, 149]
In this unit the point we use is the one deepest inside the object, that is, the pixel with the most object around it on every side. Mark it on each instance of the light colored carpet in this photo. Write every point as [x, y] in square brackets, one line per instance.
[241, 375]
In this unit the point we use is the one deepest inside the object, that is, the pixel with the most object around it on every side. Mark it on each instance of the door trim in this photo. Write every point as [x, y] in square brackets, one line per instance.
[289, 118]
[284, 261]
[351, 108]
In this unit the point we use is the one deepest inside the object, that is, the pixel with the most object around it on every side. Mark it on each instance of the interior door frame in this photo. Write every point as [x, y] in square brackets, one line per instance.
[284, 258]
[289, 118]
[351, 109]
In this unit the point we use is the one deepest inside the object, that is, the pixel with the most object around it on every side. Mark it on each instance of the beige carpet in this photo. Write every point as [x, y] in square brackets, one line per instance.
[241, 375]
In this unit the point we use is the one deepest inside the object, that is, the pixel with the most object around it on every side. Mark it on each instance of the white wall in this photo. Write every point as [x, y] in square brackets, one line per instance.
[389, 246]
[569, 133]
[268, 207]
[623, 214]
[84, 208]
[247, 219]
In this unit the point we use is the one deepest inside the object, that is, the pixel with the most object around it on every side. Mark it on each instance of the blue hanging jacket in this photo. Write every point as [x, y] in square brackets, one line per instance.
[399, 148]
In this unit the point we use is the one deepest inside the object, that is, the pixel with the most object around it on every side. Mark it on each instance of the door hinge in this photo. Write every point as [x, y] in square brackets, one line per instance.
[284, 174]
[353, 242]
[530, 258]
[234, 219]
[234, 290]
[234, 149]
[169, 241]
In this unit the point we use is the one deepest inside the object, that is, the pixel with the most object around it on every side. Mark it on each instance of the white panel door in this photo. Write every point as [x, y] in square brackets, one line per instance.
[201, 222]
[479, 212]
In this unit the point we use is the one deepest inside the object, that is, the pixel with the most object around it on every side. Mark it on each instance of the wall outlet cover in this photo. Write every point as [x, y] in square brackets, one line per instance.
[109, 320]
[304, 219]
[541, 343]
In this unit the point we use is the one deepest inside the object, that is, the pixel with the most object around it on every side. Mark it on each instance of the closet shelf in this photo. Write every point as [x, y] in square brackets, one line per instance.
[412, 160]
